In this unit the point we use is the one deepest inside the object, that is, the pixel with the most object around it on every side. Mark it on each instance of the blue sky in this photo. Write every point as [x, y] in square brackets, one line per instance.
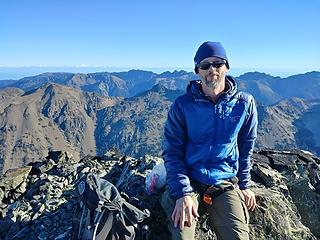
[275, 36]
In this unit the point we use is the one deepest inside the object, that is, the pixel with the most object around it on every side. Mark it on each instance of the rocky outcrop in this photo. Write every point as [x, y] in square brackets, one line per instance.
[40, 202]
[296, 176]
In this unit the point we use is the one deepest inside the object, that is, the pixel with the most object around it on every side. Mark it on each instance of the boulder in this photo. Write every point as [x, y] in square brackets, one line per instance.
[45, 205]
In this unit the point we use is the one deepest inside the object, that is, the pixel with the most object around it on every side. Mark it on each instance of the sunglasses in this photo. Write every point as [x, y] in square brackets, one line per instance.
[215, 64]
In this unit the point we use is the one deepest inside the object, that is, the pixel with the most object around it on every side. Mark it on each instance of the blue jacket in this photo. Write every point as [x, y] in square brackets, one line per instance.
[207, 141]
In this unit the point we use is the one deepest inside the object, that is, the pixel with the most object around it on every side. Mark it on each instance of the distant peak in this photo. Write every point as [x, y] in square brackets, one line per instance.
[139, 71]
[313, 74]
[135, 72]
[254, 75]
[158, 88]
[175, 73]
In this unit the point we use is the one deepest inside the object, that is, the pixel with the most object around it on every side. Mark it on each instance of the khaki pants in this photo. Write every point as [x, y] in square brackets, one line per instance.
[228, 216]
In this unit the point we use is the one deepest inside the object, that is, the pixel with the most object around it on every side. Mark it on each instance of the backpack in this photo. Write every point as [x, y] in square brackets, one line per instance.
[105, 214]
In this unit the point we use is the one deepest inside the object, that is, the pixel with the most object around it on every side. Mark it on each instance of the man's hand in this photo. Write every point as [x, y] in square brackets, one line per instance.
[184, 211]
[250, 199]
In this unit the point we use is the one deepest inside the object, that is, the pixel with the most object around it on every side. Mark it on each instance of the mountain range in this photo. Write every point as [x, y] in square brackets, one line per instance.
[57, 114]
[267, 89]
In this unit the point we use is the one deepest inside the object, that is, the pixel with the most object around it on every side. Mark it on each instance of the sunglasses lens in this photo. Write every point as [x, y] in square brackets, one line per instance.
[216, 64]
[205, 66]
[219, 64]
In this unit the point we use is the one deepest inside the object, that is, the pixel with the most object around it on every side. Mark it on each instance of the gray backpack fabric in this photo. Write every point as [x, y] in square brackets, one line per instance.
[105, 214]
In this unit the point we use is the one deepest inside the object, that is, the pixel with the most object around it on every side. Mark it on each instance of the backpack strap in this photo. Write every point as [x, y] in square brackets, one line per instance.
[84, 209]
[85, 227]
[106, 228]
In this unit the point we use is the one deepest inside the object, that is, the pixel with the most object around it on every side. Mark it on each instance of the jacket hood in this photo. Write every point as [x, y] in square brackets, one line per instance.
[193, 89]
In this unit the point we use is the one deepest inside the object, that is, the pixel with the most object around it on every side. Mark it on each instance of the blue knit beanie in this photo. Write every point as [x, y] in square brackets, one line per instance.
[210, 49]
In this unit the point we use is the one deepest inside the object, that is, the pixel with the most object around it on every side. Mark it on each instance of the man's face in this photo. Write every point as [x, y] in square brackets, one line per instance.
[212, 76]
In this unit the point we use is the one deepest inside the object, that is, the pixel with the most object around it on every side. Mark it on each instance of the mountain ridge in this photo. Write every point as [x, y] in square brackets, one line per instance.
[50, 117]
[59, 117]
[266, 89]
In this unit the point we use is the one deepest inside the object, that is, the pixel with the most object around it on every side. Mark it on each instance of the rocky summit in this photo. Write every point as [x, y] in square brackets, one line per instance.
[40, 201]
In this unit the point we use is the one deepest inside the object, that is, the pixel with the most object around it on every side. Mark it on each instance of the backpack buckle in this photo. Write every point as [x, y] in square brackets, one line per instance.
[100, 205]
[207, 199]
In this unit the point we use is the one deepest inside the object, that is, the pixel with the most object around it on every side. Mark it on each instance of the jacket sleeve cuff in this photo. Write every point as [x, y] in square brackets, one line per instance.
[243, 186]
[175, 198]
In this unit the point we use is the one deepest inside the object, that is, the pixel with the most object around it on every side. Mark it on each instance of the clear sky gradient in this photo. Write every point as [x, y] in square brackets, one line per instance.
[270, 36]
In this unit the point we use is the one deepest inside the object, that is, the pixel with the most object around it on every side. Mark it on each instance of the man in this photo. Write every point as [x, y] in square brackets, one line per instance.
[209, 138]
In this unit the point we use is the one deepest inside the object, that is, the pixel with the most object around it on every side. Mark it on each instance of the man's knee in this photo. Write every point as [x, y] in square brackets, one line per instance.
[234, 233]
[229, 216]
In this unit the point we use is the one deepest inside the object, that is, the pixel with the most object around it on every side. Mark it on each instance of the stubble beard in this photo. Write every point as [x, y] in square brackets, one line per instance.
[211, 82]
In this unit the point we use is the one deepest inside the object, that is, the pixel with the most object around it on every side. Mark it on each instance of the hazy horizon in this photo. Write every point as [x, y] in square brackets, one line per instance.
[18, 72]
